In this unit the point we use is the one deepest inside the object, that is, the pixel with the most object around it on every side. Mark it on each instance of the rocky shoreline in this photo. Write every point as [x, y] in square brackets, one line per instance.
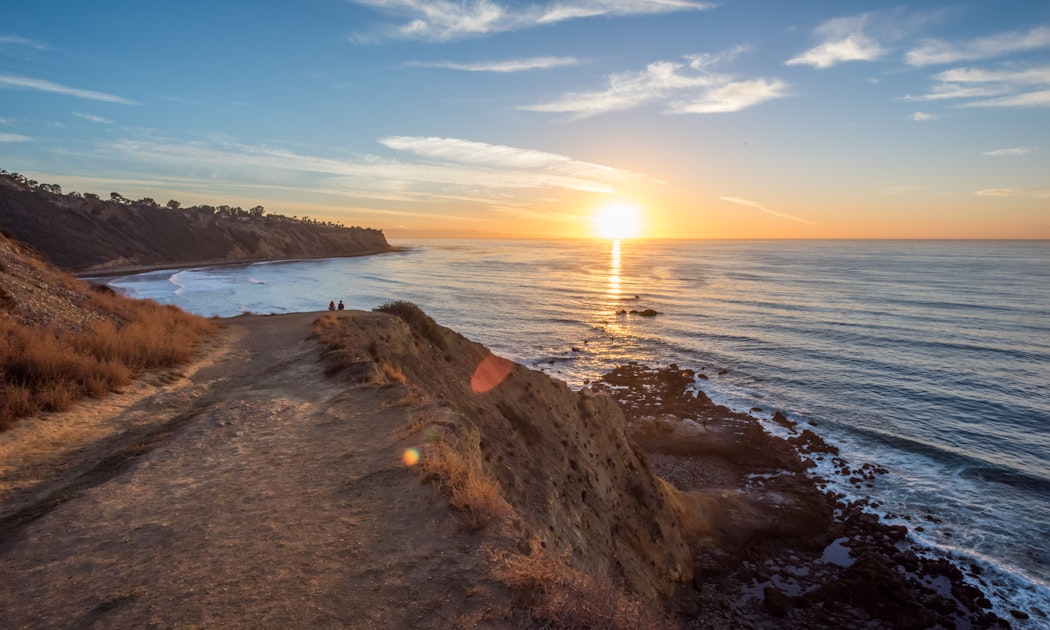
[781, 549]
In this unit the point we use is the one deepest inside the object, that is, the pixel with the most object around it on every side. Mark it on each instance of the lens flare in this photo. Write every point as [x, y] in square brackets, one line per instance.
[410, 457]
[490, 373]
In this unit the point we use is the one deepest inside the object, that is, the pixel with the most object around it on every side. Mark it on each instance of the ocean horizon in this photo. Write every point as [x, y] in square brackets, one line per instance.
[928, 358]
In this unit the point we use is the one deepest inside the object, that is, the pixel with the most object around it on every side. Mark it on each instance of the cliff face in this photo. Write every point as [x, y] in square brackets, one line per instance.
[84, 234]
[574, 482]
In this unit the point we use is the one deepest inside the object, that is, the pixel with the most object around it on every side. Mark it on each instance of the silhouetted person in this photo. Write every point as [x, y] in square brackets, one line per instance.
[341, 307]
[331, 306]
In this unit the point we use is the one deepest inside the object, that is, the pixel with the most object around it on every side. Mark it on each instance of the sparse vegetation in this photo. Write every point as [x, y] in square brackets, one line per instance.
[48, 369]
[457, 467]
[416, 319]
[562, 597]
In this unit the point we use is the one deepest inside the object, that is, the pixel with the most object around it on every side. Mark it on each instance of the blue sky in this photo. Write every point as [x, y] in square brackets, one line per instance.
[724, 119]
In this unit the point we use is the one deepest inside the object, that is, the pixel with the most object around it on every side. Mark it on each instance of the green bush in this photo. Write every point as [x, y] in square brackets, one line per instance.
[417, 320]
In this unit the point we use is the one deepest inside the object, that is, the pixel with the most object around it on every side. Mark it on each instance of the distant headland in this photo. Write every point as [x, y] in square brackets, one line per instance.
[86, 234]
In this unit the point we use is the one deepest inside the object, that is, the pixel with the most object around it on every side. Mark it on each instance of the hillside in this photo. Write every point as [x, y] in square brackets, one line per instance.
[84, 233]
[63, 339]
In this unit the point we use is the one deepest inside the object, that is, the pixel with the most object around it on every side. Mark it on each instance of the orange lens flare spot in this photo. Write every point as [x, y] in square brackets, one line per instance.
[410, 457]
[490, 373]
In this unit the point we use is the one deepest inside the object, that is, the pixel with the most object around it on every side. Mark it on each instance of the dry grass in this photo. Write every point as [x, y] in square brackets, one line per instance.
[560, 596]
[393, 375]
[458, 469]
[45, 369]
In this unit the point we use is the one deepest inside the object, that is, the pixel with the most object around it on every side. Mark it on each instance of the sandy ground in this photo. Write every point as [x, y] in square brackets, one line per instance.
[245, 490]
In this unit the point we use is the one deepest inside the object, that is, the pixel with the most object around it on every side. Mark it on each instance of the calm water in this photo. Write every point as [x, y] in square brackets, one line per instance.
[929, 358]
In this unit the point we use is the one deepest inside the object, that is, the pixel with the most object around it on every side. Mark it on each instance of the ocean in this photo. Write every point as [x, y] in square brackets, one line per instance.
[929, 358]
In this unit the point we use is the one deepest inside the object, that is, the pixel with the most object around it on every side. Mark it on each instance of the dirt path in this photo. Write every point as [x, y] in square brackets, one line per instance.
[246, 490]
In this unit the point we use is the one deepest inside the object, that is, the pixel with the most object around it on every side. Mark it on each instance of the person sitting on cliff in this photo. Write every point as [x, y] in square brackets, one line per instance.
[341, 307]
[331, 306]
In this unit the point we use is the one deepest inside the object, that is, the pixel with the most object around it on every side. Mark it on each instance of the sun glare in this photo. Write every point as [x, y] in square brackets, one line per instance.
[617, 221]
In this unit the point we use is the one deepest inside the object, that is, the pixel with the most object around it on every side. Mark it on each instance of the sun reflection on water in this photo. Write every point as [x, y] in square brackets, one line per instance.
[614, 272]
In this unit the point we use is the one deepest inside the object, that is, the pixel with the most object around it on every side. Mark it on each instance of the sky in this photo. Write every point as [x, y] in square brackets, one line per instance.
[721, 119]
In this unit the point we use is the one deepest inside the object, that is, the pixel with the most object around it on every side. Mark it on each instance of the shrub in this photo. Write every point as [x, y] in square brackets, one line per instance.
[417, 320]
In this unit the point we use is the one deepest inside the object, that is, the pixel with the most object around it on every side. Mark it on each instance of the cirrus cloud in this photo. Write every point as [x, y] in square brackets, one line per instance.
[845, 39]
[1011, 152]
[509, 65]
[754, 204]
[29, 83]
[445, 20]
[433, 169]
[934, 51]
[1006, 86]
[684, 88]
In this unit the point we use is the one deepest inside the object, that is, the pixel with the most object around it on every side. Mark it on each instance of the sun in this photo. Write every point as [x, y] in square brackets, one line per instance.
[616, 221]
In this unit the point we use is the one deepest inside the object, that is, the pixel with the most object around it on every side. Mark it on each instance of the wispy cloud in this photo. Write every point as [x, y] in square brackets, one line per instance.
[594, 177]
[444, 20]
[509, 65]
[22, 41]
[1007, 86]
[28, 83]
[923, 116]
[1028, 99]
[14, 137]
[732, 97]
[935, 51]
[1014, 192]
[1011, 152]
[450, 169]
[758, 206]
[93, 118]
[685, 89]
[844, 39]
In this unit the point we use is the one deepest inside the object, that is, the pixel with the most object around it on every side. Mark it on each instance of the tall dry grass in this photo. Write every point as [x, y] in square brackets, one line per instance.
[457, 467]
[48, 369]
[560, 596]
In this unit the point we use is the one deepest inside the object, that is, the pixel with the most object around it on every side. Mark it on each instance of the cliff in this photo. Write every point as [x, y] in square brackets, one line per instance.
[83, 233]
[574, 485]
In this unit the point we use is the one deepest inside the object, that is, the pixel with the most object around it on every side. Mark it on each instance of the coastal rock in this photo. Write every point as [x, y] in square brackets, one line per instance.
[757, 520]
[783, 420]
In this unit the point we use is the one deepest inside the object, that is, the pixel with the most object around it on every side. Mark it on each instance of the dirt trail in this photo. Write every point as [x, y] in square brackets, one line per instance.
[249, 491]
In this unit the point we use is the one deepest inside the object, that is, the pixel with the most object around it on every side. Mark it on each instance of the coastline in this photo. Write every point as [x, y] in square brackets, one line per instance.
[770, 547]
[1015, 591]
[131, 270]
[788, 551]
